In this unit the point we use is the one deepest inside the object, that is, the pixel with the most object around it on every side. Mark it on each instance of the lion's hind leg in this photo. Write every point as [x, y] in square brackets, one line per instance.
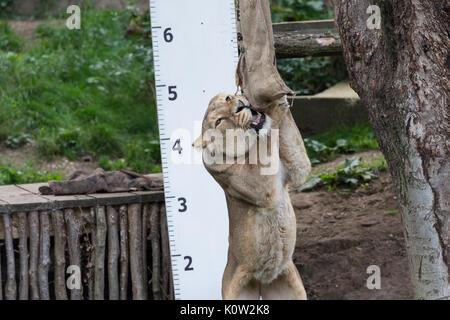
[288, 286]
[238, 285]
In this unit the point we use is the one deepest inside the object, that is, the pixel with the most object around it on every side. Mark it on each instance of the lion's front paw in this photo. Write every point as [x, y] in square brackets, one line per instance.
[243, 117]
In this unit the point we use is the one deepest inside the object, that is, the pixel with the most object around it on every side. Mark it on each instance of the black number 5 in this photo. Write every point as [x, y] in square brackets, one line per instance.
[168, 36]
[188, 266]
[172, 93]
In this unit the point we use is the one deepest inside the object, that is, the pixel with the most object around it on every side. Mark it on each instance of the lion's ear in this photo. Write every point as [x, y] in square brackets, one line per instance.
[199, 143]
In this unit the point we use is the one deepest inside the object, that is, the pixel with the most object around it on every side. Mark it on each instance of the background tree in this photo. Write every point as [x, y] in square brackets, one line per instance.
[400, 71]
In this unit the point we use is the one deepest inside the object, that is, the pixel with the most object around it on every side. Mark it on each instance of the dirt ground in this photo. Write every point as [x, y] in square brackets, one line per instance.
[341, 233]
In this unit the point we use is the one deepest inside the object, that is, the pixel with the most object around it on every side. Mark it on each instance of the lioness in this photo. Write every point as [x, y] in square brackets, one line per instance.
[262, 224]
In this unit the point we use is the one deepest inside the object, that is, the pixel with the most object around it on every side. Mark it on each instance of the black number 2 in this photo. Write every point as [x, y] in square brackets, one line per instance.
[188, 266]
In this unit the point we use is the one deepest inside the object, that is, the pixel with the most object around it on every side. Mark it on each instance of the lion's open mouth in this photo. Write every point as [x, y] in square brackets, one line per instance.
[258, 120]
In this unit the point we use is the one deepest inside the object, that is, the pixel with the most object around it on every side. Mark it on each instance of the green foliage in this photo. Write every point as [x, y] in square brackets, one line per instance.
[307, 76]
[340, 140]
[6, 8]
[83, 92]
[27, 174]
[350, 173]
[8, 40]
[295, 10]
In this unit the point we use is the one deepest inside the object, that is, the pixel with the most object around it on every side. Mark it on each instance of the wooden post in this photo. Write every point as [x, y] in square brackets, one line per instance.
[156, 251]
[73, 225]
[124, 260]
[1, 282]
[135, 232]
[145, 221]
[11, 287]
[100, 238]
[91, 259]
[44, 255]
[23, 252]
[113, 253]
[60, 240]
[34, 254]
[167, 281]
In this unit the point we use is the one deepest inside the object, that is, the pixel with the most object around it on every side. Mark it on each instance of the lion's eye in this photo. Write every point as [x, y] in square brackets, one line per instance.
[228, 99]
[218, 121]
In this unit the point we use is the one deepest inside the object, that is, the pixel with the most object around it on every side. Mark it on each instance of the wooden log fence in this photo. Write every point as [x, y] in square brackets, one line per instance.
[98, 246]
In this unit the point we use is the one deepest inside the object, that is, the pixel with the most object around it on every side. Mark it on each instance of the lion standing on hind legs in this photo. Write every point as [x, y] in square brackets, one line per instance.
[255, 174]
[262, 222]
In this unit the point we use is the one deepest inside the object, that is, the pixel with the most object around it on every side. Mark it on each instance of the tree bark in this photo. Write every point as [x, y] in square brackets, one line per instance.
[400, 71]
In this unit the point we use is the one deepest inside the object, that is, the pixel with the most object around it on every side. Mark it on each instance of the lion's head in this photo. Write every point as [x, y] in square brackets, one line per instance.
[231, 126]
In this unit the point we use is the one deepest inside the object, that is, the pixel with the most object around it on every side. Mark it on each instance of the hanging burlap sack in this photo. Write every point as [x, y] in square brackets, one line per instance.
[256, 73]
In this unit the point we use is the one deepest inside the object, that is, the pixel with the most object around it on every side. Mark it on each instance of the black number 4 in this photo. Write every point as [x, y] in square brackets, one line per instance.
[172, 93]
[188, 267]
[177, 146]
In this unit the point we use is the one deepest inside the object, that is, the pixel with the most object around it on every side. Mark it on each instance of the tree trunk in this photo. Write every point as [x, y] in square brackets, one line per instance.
[400, 71]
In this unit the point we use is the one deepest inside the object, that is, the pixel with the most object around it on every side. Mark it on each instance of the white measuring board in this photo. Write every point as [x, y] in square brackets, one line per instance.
[195, 57]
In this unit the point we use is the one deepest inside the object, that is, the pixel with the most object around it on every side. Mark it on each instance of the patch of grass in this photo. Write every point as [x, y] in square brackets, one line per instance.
[340, 140]
[350, 173]
[27, 174]
[82, 92]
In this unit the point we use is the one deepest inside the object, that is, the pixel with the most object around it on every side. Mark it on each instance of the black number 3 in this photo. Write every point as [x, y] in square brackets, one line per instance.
[183, 205]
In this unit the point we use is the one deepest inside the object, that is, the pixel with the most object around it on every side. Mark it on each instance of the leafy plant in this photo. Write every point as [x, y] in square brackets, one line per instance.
[9, 41]
[18, 140]
[340, 140]
[350, 173]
